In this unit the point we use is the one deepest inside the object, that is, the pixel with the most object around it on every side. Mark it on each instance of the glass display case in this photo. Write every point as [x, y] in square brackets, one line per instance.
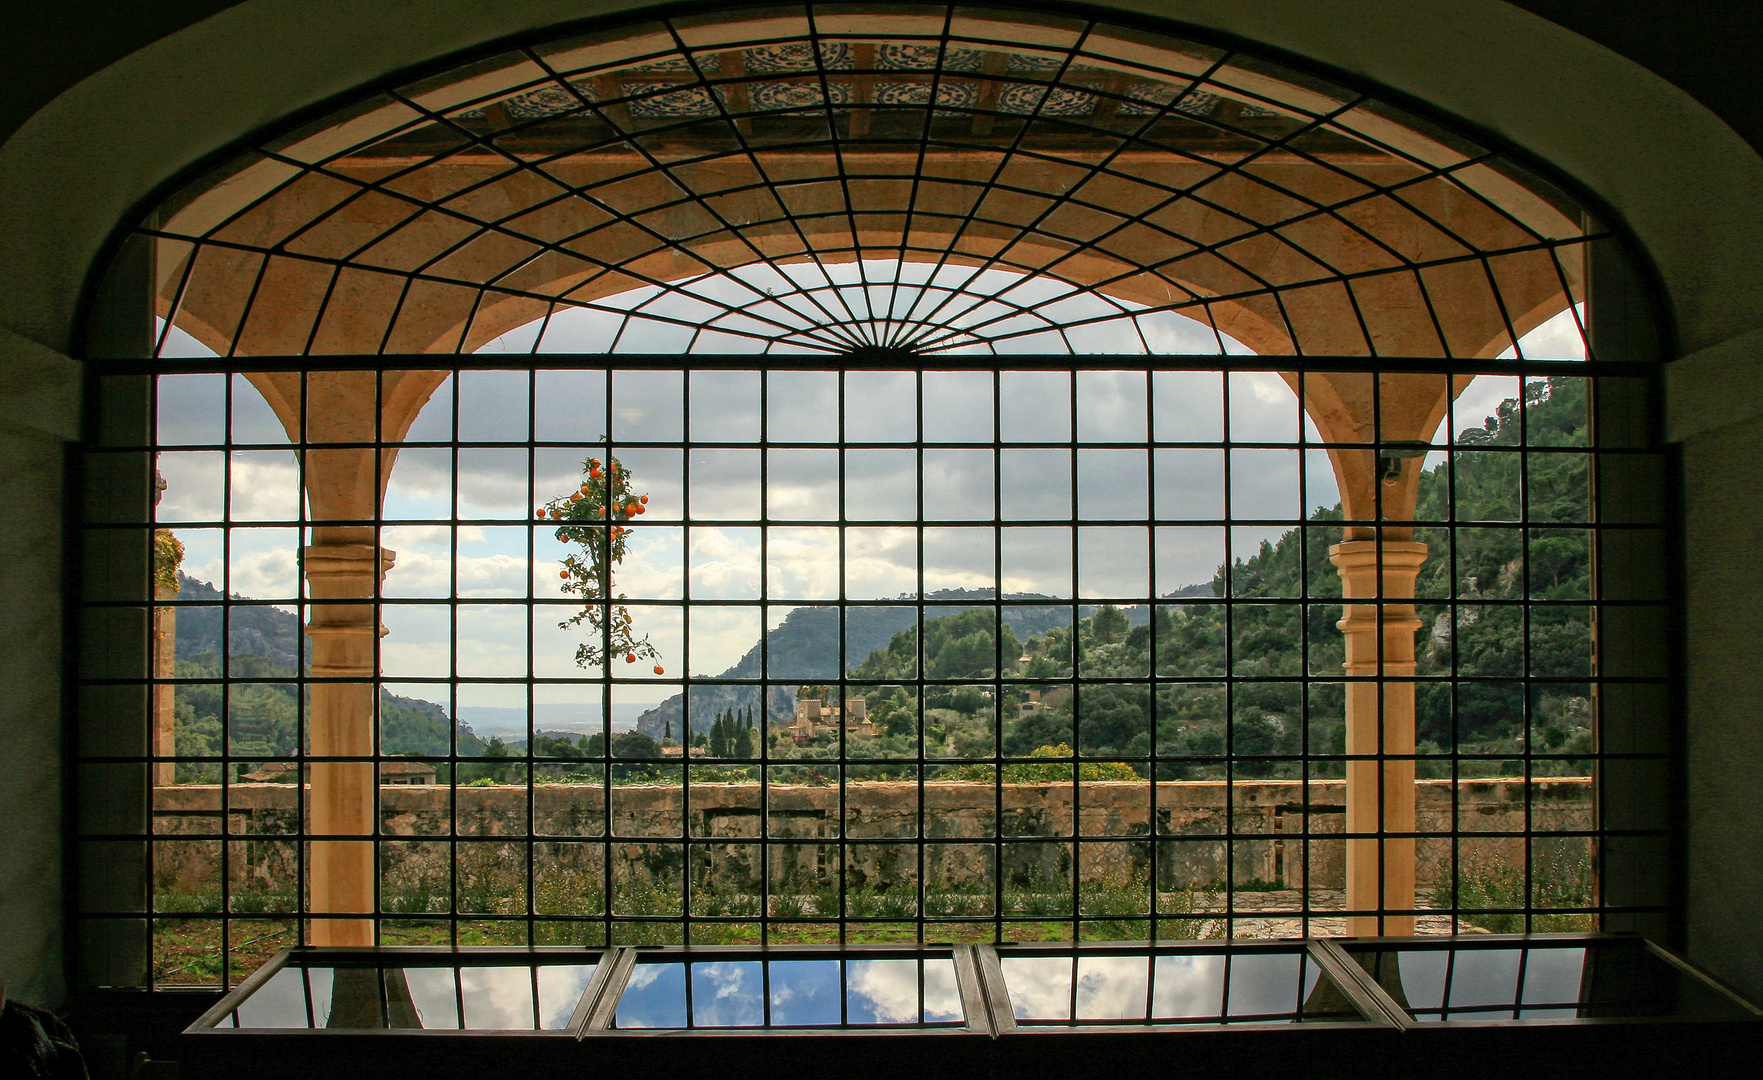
[951, 1008]
[1246, 983]
[1535, 979]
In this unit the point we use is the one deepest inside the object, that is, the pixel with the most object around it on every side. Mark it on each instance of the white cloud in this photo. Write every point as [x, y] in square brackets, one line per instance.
[889, 990]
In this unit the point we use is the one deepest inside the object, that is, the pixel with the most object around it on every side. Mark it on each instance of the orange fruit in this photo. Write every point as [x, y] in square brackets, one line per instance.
[658, 670]
[644, 500]
[540, 514]
[630, 658]
[564, 574]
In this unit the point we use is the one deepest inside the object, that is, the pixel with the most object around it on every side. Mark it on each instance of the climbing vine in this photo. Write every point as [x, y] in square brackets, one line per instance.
[594, 518]
[168, 555]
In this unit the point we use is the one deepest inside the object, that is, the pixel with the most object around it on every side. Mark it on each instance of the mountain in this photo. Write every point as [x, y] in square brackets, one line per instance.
[805, 648]
[263, 714]
[270, 632]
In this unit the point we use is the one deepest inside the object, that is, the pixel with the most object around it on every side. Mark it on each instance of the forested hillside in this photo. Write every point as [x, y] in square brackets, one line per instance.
[1517, 564]
[1269, 634]
[806, 647]
[262, 714]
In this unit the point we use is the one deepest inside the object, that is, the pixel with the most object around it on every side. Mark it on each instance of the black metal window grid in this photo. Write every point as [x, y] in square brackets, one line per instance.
[956, 396]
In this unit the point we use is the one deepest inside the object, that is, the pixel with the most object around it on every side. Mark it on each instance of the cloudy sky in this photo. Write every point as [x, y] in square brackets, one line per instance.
[773, 453]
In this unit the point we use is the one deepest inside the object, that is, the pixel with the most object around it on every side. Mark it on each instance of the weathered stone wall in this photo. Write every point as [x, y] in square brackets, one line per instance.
[1283, 827]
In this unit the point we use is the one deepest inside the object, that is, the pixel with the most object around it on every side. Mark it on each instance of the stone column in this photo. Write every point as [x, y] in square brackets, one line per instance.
[1380, 729]
[341, 799]
[165, 644]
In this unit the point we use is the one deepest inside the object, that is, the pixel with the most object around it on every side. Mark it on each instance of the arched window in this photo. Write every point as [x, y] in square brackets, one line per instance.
[827, 474]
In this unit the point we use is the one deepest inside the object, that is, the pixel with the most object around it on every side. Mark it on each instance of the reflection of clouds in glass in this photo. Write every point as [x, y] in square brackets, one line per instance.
[886, 992]
[1267, 984]
[727, 994]
[1111, 987]
[1423, 976]
[278, 1003]
[432, 991]
[1185, 987]
[1039, 986]
[804, 993]
[1484, 977]
[497, 998]
[560, 989]
[1553, 976]
[655, 997]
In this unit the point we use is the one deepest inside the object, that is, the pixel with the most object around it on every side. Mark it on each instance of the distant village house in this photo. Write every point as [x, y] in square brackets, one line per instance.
[816, 717]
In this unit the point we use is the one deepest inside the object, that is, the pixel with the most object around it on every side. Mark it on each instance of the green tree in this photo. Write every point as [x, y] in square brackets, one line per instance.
[1109, 624]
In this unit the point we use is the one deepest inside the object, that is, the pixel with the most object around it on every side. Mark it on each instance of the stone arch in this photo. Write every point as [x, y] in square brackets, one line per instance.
[1322, 308]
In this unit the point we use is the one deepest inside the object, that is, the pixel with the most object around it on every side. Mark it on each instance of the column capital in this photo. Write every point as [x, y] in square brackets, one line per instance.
[1354, 554]
[346, 559]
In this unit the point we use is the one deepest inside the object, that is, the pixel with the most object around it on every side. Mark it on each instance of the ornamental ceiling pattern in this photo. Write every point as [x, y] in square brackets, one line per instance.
[825, 179]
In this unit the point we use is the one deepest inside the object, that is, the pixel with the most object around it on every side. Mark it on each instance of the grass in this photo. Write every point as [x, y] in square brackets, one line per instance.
[569, 907]
[1560, 878]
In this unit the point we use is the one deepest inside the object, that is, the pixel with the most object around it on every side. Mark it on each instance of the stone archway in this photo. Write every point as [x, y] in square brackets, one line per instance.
[1312, 255]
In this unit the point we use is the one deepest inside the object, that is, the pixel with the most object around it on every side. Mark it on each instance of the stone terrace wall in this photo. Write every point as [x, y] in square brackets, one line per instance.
[1281, 824]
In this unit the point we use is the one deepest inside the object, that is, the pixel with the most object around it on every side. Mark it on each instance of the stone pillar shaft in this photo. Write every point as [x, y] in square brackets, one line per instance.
[1380, 729]
[342, 795]
[165, 643]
